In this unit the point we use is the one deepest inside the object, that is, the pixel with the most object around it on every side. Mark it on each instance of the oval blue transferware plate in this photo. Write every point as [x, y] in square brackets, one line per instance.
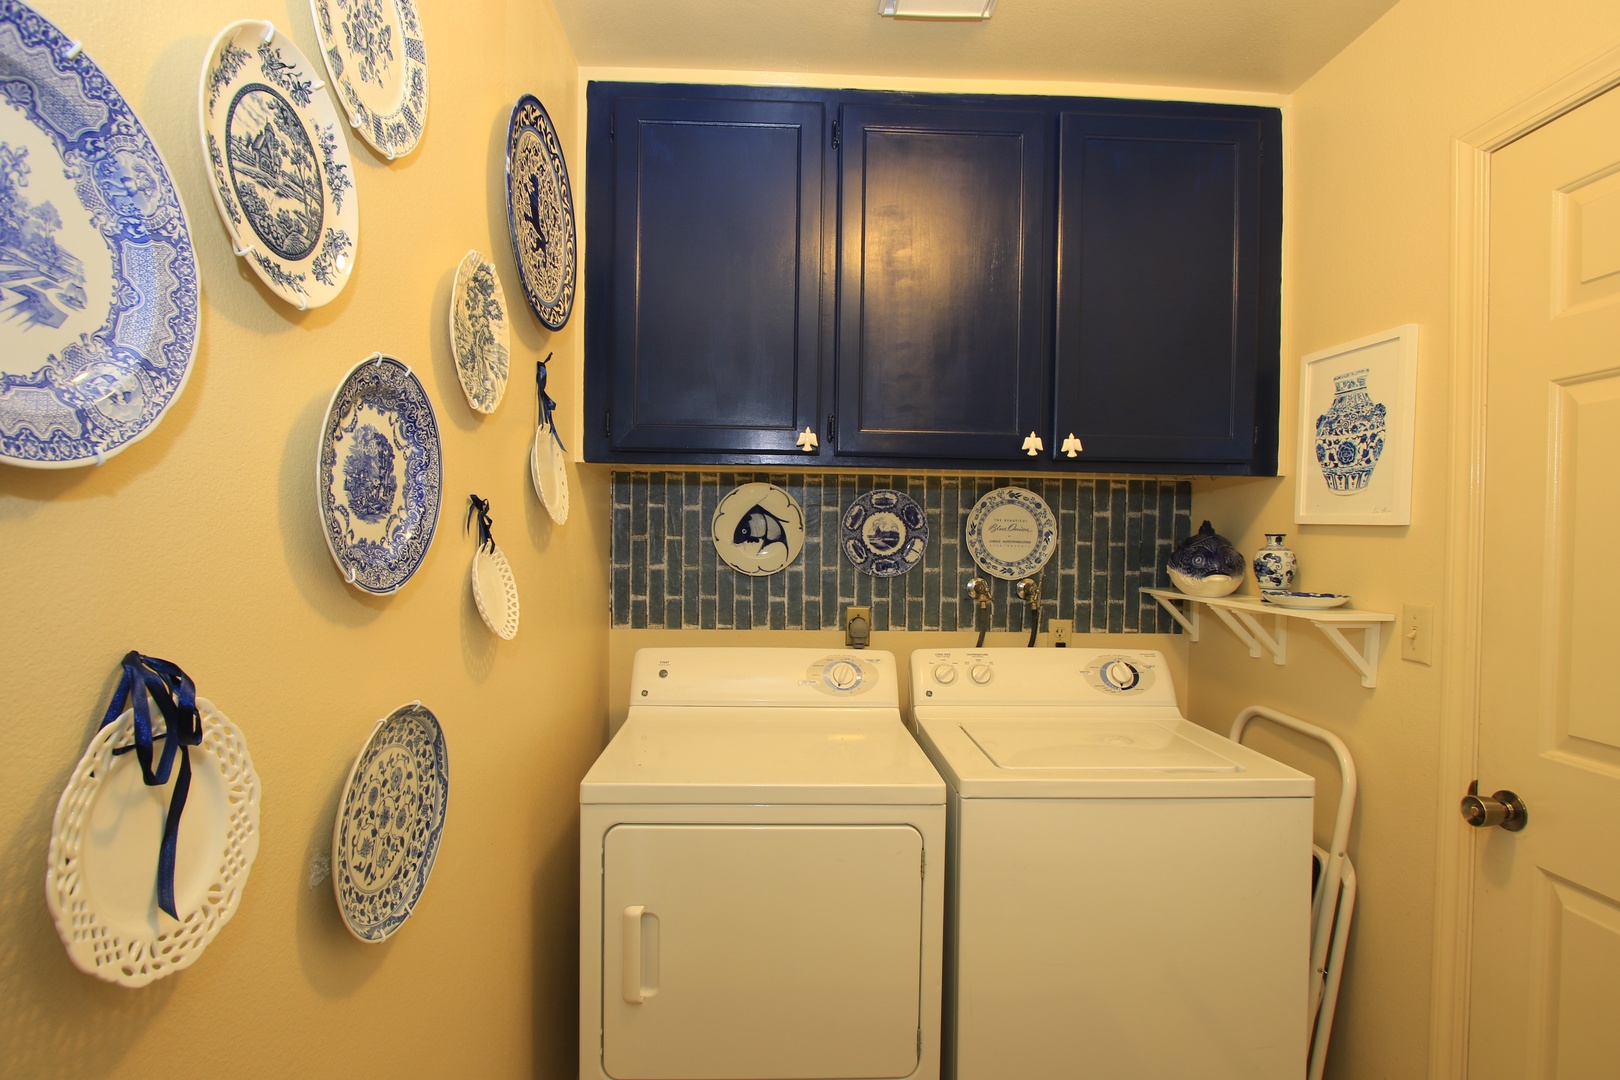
[884, 532]
[376, 56]
[540, 210]
[379, 475]
[98, 280]
[1011, 533]
[1307, 600]
[389, 822]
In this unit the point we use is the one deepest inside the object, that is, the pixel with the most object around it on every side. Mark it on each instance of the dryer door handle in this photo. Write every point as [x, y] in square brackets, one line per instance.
[634, 979]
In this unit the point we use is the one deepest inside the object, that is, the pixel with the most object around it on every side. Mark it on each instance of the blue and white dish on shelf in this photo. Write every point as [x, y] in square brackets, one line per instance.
[99, 288]
[540, 211]
[1206, 564]
[390, 821]
[1305, 600]
[282, 178]
[375, 54]
[758, 529]
[884, 533]
[379, 475]
[480, 339]
[1011, 533]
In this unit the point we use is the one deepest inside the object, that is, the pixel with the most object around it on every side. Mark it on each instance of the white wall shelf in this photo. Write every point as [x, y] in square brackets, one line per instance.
[1242, 614]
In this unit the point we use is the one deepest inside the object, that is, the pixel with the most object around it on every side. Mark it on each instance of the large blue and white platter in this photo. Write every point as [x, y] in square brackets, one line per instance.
[379, 475]
[282, 177]
[540, 211]
[99, 291]
[1011, 533]
[375, 54]
[389, 822]
[884, 532]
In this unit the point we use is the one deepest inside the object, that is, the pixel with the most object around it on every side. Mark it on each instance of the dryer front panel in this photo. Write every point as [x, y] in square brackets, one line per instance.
[765, 952]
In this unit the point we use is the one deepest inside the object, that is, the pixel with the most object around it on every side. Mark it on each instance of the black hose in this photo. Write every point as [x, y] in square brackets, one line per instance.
[982, 617]
[1034, 630]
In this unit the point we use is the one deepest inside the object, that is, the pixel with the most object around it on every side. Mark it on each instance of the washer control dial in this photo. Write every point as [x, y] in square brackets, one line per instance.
[843, 675]
[944, 674]
[980, 673]
[1121, 675]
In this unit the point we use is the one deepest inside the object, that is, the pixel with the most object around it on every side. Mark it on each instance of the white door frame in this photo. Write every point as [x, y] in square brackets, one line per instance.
[1459, 716]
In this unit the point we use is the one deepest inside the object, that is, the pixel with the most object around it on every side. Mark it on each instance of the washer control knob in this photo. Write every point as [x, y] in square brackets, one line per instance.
[1120, 675]
[944, 674]
[979, 673]
[843, 675]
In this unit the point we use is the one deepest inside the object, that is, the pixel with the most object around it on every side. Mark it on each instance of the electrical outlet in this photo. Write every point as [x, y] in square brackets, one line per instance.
[857, 627]
[1417, 633]
[1062, 631]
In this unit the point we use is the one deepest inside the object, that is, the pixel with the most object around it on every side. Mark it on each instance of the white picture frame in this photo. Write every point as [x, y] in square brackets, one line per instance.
[1356, 429]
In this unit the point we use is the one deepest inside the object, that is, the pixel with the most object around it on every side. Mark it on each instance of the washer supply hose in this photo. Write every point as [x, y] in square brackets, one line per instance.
[978, 590]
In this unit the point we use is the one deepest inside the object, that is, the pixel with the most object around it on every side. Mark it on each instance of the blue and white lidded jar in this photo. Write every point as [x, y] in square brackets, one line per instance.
[1275, 565]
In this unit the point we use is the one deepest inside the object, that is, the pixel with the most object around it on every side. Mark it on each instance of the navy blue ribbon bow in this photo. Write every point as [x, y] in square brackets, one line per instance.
[546, 404]
[176, 698]
[480, 508]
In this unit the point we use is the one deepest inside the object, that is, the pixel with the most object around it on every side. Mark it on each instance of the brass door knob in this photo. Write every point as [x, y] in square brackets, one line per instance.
[1503, 809]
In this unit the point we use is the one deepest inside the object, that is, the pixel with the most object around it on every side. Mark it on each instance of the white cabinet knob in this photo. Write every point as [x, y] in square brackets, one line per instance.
[1033, 444]
[1071, 445]
[807, 441]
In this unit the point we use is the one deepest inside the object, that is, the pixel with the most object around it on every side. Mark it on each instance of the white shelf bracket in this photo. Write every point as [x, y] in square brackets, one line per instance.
[1365, 659]
[1275, 643]
[1186, 617]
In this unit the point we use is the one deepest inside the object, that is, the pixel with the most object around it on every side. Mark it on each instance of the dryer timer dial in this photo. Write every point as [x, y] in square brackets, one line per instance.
[843, 675]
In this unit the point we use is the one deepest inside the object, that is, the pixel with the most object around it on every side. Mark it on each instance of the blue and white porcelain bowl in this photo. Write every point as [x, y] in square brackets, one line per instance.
[1206, 564]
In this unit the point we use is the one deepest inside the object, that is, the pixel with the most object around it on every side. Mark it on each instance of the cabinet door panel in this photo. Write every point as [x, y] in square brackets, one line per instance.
[716, 274]
[941, 292]
[1158, 273]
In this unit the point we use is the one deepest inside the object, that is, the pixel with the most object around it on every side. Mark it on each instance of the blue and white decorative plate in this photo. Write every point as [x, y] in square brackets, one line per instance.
[1011, 533]
[758, 529]
[1309, 601]
[389, 822]
[375, 54]
[480, 340]
[884, 532]
[379, 475]
[282, 177]
[540, 210]
[98, 279]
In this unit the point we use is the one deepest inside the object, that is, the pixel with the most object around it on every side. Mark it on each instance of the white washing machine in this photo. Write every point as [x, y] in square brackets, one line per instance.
[1128, 893]
[761, 874]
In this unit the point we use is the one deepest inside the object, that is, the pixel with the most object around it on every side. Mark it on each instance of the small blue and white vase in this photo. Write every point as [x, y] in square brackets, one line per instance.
[1275, 565]
[1350, 435]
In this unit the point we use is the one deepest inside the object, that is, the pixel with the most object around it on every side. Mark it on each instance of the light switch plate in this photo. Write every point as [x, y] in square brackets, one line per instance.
[1417, 633]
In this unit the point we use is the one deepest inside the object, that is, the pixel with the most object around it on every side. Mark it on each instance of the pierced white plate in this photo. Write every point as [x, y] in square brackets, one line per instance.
[283, 179]
[480, 338]
[389, 822]
[548, 474]
[1306, 600]
[375, 54]
[758, 529]
[101, 877]
[1011, 533]
[495, 592]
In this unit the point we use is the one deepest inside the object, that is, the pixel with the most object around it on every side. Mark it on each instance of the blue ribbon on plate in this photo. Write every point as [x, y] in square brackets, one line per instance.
[546, 404]
[480, 508]
[176, 698]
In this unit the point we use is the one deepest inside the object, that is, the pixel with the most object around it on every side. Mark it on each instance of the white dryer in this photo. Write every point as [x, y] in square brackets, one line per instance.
[761, 874]
[1129, 893]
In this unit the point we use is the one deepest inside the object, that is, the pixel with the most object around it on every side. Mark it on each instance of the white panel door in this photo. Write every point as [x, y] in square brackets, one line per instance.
[761, 952]
[1546, 961]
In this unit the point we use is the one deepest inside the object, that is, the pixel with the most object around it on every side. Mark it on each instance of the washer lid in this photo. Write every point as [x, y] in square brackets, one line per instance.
[1154, 757]
[756, 756]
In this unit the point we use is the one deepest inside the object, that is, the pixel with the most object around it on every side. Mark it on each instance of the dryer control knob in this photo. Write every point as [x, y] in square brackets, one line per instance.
[979, 673]
[944, 674]
[1120, 675]
[843, 675]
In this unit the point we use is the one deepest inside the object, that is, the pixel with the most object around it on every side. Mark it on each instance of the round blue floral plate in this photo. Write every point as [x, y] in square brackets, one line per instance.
[389, 822]
[884, 533]
[540, 211]
[99, 290]
[379, 475]
[376, 56]
[1011, 533]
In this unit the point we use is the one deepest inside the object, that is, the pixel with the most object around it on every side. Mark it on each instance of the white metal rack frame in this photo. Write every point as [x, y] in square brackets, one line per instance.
[1242, 614]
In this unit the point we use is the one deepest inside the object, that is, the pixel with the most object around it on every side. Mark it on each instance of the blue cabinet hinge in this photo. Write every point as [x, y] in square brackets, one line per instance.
[835, 134]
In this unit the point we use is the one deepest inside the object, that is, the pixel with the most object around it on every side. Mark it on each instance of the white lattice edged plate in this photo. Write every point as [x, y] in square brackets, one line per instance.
[495, 592]
[101, 878]
[480, 337]
[376, 56]
[548, 474]
[389, 822]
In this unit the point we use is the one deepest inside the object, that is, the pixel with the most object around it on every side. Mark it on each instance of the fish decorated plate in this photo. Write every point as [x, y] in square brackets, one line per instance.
[378, 61]
[1011, 533]
[379, 475]
[278, 164]
[884, 532]
[758, 529]
[540, 210]
[99, 290]
[389, 822]
[480, 339]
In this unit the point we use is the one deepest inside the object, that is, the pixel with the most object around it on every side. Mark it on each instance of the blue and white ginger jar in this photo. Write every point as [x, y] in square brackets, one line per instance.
[1275, 565]
[1207, 564]
[1350, 435]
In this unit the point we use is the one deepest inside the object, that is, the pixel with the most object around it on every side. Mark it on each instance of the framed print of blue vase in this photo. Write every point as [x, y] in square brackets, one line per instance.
[1206, 564]
[1275, 565]
[1350, 435]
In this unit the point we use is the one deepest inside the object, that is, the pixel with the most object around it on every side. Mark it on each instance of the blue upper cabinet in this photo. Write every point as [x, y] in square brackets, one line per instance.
[944, 296]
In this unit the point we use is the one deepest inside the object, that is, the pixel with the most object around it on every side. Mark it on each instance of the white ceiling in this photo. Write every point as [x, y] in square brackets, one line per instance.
[1260, 45]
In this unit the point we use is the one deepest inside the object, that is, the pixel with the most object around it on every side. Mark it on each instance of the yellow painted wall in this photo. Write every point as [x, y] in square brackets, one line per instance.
[1367, 247]
[202, 544]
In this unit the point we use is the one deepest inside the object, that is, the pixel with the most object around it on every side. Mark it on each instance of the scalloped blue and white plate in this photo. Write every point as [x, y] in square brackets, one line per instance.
[758, 529]
[390, 821]
[884, 532]
[375, 54]
[1011, 533]
[99, 288]
[282, 177]
[540, 211]
[379, 475]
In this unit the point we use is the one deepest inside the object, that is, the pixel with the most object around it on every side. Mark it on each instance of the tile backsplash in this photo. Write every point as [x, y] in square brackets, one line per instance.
[1114, 536]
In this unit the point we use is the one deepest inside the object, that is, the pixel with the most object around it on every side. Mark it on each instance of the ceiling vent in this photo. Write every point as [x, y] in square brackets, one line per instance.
[937, 9]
